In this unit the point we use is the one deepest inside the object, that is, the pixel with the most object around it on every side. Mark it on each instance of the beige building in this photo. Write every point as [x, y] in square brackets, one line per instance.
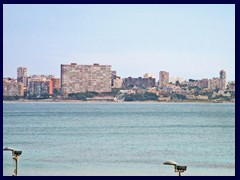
[220, 82]
[163, 78]
[117, 82]
[81, 78]
[201, 97]
[21, 72]
[12, 88]
[22, 75]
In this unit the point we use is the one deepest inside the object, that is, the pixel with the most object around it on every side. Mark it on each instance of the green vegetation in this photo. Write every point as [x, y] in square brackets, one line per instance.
[57, 92]
[147, 96]
[178, 96]
[82, 96]
[11, 98]
[91, 94]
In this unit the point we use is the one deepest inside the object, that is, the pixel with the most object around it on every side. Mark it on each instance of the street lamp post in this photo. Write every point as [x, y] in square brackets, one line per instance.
[15, 156]
[177, 168]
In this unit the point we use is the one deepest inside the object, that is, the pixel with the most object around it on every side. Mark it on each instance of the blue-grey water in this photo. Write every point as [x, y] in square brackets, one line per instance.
[64, 138]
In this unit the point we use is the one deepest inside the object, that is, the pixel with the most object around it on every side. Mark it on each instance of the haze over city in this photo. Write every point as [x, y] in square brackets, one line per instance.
[191, 41]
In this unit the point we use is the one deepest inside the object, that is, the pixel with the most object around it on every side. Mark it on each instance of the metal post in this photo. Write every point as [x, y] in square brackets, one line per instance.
[177, 168]
[16, 165]
[15, 156]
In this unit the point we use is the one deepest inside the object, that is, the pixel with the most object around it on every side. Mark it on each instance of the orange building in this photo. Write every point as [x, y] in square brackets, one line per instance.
[50, 85]
[55, 82]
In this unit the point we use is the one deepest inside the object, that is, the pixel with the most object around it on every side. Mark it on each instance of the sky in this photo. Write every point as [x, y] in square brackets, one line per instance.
[190, 41]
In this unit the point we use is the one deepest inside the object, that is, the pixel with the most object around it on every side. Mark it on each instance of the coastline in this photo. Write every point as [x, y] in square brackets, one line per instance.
[73, 101]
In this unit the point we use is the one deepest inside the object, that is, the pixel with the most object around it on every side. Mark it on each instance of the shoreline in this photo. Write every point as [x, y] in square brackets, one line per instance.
[80, 101]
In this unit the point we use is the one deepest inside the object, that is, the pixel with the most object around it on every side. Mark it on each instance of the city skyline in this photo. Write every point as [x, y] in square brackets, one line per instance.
[116, 73]
[190, 41]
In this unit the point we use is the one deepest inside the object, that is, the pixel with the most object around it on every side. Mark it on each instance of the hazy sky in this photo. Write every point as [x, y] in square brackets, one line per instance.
[190, 41]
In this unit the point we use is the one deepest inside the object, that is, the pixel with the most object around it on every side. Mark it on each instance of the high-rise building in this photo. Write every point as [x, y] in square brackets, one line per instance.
[22, 75]
[222, 74]
[220, 82]
[82, 78]
[21, 72]
[223, 82]
[163, 78]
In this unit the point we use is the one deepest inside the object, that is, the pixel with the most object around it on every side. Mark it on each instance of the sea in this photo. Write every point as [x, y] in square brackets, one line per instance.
[119, 138]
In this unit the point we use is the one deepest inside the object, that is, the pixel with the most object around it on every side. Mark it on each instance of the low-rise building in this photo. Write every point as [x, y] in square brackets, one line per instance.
[117, 82]
[190, 97]
[139, 82]
[162, 98]
[201, 97]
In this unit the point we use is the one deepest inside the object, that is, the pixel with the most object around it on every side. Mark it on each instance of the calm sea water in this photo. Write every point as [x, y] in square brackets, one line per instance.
[77, 139]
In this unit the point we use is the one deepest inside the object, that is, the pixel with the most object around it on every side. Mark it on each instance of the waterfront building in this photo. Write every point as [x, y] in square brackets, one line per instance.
[41, 84]
[201, 97]
[190, 97]
[38, 88]
[12, 88]
[22, 75]
[55, 82]
[117, 82]
[162, 98]
[163, 78]
[82, 78]
[139, 82]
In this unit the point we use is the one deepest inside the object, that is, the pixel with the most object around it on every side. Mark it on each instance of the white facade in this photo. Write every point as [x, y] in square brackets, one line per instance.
[175, 79]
